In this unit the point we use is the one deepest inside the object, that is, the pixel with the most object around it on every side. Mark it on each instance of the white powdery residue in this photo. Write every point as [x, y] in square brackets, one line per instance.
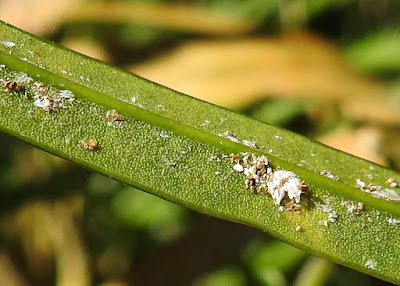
[67, 94]
[23, 78]
[233, 139]
[133, 99]
[329, 175]
[386, 194]
[24, 59]
[251, 144]
[164, 135]
[217, 157]
[43, 102]
[378, 191]
[284, 182]
[206, 122]
[229, 135]
[332, 215]
[357, 208]
[262, 179]
[238, 168]
[360, 184]
[324, 223]
[371, 264]
[392, 182]
[393, 221]
[251, 171]
[326, 208]
[8, 44]
[47, 97]
[278, 137]
[161, 107]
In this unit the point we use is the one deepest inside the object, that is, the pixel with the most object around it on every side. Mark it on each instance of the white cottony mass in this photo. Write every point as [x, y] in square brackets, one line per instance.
[284, 182]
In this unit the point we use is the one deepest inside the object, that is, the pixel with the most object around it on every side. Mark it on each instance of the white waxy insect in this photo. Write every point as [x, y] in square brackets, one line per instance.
[42, 102]
[284, 182]
[238, 168]
[8, 44]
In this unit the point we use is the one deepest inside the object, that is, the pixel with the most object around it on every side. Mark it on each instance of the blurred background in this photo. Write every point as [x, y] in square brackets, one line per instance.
[328, 69]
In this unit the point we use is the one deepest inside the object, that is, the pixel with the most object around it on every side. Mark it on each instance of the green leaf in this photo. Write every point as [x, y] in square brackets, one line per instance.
[314, 272]
[227, 276]
[270, 262]
[179, 148]
[376, 52]
[279, 112]
[315, 8]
